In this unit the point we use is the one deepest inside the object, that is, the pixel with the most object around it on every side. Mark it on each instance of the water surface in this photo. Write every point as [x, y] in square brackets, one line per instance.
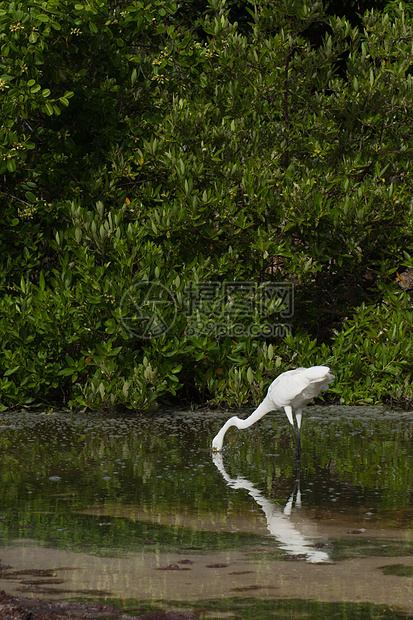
[139, 508]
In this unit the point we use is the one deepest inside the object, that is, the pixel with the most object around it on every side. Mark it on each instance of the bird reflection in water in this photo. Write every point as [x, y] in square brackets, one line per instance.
[279, 521]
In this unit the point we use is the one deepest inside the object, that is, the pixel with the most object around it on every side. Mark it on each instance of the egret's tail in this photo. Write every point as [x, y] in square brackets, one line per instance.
[318, 373]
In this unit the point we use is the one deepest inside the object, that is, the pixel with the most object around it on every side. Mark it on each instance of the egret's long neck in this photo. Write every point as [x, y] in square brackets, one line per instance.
[263, 408]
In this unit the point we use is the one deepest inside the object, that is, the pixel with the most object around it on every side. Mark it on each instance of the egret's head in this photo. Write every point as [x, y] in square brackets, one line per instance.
[217, 444]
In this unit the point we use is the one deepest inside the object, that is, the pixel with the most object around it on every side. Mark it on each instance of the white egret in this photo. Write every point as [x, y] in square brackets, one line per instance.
[292, 390]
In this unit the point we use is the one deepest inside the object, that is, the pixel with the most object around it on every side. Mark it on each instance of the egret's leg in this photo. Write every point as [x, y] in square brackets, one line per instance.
[289, 413]
[298, 417]
[298, 455]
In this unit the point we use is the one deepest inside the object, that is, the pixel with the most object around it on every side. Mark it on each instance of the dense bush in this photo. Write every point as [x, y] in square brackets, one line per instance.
[151, 153]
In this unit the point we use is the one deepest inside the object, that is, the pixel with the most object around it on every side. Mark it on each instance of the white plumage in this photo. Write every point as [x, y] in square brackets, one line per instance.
[292, 390]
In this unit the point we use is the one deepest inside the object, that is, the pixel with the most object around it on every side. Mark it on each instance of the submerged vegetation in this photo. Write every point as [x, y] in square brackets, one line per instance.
[191, 204]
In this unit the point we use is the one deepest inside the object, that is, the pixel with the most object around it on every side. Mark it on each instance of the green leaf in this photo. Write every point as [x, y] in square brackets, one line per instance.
[30, 197]
[250, 376]
[115, 351]
[10, 371]
[67, 372]
[11, 165]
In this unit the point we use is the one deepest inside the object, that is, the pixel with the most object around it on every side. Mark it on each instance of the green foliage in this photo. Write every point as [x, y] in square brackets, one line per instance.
[150, 143]
[376, 355]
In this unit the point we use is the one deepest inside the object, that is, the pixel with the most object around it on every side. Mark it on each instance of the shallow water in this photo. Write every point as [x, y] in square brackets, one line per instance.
[139, 508]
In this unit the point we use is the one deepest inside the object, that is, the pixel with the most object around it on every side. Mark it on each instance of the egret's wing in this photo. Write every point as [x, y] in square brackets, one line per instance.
[299, 386]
